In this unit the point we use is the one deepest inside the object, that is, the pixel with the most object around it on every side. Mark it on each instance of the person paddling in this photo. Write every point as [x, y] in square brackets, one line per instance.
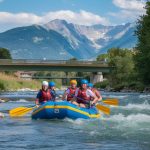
[43, 95]
[70, 92]
[95, 91]
[83, 95]
[52, 90]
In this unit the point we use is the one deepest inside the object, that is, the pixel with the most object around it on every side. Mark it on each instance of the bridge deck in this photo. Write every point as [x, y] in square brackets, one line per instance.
[54, 65]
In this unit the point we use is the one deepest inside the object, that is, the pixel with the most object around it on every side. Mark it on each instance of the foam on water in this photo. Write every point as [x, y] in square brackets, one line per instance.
[144, 96]
[25, 90]
[132, 117]
[20, 101]
[116, 96]
[77, 121]
[130, 106]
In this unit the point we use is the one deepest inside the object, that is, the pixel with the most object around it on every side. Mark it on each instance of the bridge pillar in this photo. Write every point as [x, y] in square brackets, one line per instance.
[96, 77]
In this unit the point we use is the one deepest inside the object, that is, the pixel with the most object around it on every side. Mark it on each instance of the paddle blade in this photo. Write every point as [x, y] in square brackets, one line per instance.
[19, 112]
[104, 109]
[111, 102]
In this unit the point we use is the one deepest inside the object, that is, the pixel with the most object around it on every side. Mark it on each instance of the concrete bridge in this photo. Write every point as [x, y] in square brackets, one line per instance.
[53, 65]
[96, 67]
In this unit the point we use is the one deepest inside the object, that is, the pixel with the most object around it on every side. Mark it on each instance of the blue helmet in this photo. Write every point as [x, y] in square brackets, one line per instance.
[51, 84]
[84, 81]
[90, 85]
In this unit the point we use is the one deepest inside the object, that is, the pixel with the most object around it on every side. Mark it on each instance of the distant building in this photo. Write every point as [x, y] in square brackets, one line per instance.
[27, 75]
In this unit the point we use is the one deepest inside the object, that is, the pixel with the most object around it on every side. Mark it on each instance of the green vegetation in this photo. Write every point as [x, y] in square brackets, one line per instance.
[131, 67]
[10, 82]
[142, 51]
[123, 75]
[132, 70]
[4, 53]
[122, 60]
[102, 85]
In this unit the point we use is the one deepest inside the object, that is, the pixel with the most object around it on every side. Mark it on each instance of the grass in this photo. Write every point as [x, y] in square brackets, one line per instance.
[10, 83]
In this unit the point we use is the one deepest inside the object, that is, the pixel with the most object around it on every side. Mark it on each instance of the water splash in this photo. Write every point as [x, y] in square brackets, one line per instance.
[136, 118]
[144, 106]
[144, 96]
[20, 101]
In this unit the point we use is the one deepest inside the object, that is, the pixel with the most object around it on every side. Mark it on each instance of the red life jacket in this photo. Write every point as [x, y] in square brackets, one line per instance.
[71, 93]
[45, 96]
[82, 94]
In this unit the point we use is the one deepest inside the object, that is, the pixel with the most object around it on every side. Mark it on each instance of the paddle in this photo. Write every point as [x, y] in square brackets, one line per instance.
[20, 111]
[102, 108]
[111, 102]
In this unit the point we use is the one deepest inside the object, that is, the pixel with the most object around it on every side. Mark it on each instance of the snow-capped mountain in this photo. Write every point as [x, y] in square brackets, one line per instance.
[99, 36]
[61, 40]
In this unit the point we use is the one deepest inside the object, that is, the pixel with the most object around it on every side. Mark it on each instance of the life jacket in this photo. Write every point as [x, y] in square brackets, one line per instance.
[45, 96]
[71, 93]
[53, 94]
[82, 94]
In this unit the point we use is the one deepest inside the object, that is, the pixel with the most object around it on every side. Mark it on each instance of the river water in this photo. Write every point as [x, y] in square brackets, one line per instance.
[127, 128]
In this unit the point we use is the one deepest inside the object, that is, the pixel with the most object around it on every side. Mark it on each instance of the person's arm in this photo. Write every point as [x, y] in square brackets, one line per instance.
[95, 99]
[37, 98]
[65, 94]
[97, 93]
[37, 101]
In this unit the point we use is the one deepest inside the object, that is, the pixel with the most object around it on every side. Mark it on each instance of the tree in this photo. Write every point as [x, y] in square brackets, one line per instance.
[142, 50]
[73, 59]
[4, 53]
[122, 61]
[102, 57]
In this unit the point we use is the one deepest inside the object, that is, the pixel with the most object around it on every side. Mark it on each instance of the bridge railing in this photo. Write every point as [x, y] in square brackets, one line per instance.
[37, 61]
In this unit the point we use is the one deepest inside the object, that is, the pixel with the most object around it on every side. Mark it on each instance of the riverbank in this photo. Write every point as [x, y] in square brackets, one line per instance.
[123, 87]
[11, 83]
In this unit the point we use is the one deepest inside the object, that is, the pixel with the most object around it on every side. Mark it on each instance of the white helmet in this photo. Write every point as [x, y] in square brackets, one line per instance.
[45, 83]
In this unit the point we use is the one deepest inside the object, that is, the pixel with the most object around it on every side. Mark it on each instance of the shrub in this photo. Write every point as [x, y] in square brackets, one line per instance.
[102, 85]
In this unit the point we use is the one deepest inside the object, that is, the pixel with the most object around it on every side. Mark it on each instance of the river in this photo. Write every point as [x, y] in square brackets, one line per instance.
[127, 128]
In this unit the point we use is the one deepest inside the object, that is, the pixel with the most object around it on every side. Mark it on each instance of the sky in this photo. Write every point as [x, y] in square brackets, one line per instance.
[16, 13]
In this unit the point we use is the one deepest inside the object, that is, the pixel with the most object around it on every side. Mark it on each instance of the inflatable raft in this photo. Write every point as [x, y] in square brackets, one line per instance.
[63, 109]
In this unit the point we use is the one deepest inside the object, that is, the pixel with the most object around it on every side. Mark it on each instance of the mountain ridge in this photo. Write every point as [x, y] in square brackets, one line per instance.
[59, 39]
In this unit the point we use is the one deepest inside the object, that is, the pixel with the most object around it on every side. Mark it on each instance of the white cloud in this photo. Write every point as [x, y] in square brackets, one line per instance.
[83, 17]
[130, 9]
[126, 15]
[21, 19]
[134, 5]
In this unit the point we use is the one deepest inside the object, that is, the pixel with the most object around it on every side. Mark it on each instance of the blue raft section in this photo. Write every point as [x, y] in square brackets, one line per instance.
[63, 109]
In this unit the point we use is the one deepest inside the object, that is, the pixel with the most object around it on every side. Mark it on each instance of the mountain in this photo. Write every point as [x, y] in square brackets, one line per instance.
[61, 40]
[34, 42]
